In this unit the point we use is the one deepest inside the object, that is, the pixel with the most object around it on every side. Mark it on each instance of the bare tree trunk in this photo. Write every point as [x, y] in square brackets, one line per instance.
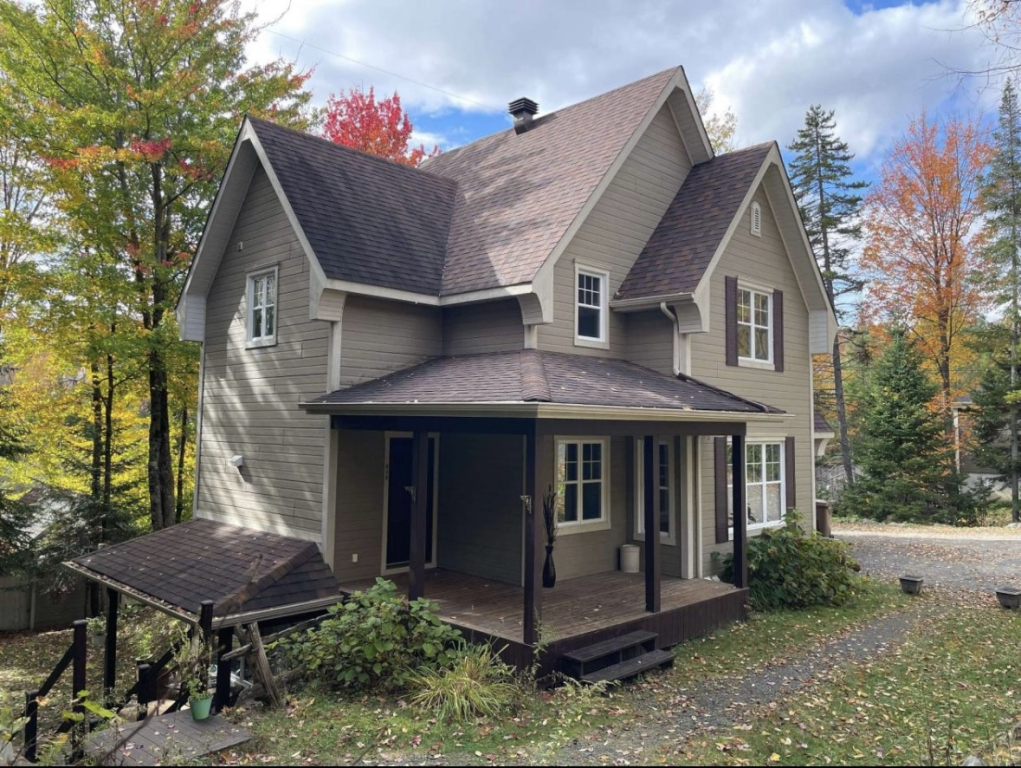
[96, 472]
[181, 447]
[108, 443]
[161, 472]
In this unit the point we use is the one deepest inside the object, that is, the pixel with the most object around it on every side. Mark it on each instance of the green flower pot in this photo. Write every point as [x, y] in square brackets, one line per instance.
[200, 708]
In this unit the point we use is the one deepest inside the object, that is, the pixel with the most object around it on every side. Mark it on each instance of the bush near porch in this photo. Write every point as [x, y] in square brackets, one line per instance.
[791, 569]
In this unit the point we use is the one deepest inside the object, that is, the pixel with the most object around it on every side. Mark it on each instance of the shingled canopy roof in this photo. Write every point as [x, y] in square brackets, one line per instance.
[533, 376]
[243, 571]
[683, 244]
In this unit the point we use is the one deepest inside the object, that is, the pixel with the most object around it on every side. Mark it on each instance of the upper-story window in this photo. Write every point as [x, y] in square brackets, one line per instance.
[754, 325]
[262, 308]
[591, 288]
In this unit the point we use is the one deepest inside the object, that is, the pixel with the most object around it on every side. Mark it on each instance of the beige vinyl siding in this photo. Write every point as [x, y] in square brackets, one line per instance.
[617, 229]
[492, 326]
[650, 341]
[481, 518]
[359, 526]
[764, 262]
[380, 337]
[250, 396]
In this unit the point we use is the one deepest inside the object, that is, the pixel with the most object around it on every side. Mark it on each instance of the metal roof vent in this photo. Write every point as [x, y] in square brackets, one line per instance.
[523, 111]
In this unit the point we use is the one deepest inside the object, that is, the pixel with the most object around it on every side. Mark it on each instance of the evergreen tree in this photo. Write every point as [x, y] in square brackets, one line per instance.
[907, 468]
[993, 405]
[829, 201]
[1002, 201]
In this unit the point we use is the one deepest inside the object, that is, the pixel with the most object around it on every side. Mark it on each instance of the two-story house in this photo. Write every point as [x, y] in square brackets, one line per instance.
[399, 363]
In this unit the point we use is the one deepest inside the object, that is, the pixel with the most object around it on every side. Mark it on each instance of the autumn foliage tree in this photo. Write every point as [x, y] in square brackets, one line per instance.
[355, 119]
[923, 241]
[136, 104]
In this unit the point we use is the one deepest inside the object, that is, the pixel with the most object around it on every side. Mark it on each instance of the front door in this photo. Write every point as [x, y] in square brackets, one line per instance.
[399, 480]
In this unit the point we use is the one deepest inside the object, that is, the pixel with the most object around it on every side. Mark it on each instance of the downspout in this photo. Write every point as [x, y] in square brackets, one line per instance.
[677, 335]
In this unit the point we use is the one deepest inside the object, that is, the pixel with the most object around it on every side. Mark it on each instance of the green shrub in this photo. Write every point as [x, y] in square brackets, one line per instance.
[788, 568]
[477, 684]
[375, 640]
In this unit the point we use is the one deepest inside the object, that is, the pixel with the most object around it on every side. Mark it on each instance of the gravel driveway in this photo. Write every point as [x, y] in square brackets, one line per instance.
[966, 561]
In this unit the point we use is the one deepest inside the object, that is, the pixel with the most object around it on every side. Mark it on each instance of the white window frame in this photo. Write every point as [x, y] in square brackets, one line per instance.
[669, 536]
[754, 362]
[253, 341]
[756, 222]
[603, 341]
[566, 528]
[762, 442]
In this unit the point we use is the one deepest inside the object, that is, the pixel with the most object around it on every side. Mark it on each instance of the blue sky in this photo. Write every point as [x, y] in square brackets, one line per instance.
[457, 64]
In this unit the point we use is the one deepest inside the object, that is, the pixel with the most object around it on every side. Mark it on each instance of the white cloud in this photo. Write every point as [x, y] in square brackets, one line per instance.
[768, 61]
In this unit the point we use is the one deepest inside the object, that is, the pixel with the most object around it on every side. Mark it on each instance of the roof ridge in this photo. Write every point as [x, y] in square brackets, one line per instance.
[352, 150]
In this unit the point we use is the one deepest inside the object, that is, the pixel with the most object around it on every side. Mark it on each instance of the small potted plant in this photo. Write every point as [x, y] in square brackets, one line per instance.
[96, 628]
[1009, 597]
[193, 662]
[549, 514]
[911, 585]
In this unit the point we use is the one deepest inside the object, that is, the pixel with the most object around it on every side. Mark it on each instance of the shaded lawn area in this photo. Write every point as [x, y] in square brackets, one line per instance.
[950, 689]
[322, 727]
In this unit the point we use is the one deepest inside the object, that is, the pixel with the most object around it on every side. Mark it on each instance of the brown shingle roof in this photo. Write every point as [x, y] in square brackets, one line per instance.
[544, 377]
[683, 244]
[821, 425]
[239, 569]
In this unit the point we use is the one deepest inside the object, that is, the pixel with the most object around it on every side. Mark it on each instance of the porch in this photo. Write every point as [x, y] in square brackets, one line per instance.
[577, 612]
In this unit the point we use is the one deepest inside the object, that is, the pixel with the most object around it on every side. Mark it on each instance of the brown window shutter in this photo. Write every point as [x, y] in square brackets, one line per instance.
[778, 330]
[722, 514]
[790, 460]
[730, 308]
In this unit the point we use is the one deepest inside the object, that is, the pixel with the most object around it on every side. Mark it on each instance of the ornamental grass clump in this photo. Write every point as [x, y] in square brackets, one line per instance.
[477, 684]
[376, 640]
[789, 568]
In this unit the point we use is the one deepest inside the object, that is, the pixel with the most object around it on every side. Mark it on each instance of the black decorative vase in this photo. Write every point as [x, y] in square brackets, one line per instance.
[549, 571]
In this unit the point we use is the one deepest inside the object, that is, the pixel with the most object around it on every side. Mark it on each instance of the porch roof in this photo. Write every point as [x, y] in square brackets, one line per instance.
[248, 574]
[534, 377]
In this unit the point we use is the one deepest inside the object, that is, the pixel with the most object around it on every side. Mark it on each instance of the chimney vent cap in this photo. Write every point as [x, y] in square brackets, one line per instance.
[523, 106]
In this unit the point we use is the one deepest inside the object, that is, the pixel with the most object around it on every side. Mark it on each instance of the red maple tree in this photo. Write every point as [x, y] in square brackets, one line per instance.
[355, 119]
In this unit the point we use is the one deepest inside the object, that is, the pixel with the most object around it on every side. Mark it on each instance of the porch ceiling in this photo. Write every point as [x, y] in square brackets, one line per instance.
[535, 384]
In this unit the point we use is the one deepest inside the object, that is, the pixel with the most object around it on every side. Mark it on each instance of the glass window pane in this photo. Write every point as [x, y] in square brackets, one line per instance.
[593, 453]
[730, 505]
[664, 465]
[730, 464]
[755, 501]
[761, 343]
[761, 309]
[570, 461]
[270, 320]
[773, 462]
[271, 289]
[570, 511]
[744, 307]
[588, 322]
[592, 501]
[257, 292]
[744, 341]
[753, 464]
[257, 323]
[773, 511]
[664, 510]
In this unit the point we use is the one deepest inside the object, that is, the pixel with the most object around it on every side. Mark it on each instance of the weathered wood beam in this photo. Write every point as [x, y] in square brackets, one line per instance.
[419, 515]
[650, 499]
[740, 512]
[533, 541]
[113, 599]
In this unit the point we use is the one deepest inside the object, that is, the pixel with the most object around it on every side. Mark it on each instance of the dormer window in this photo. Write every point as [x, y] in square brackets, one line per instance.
[756, 219]
[262, 308]
[590, 312]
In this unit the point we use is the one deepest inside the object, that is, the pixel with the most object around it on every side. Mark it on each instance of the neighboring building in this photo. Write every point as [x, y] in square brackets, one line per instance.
[397, 363]
[974, 473]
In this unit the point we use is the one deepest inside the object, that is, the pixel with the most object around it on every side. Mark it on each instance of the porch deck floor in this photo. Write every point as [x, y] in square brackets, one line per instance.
[573, 607]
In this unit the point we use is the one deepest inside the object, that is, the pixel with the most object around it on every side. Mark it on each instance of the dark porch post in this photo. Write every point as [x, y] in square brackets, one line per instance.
[650, 507]
[225, 640]
[533, 540]
[113, 600]
[740, 513]
[419, 502]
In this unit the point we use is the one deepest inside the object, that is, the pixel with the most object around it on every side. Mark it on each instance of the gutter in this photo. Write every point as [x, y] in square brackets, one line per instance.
[649, 302]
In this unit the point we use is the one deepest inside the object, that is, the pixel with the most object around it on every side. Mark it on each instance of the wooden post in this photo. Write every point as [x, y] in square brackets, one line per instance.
[650, 498]
[533, 540]
[31, 724]
[740, 512]
[226, 640]
[419, 515]
[110, 660]
[206, 620]
[145, 688]
[79, 660]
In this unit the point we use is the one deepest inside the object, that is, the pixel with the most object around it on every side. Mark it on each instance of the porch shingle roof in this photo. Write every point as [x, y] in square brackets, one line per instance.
[239, 569]
[531, 375]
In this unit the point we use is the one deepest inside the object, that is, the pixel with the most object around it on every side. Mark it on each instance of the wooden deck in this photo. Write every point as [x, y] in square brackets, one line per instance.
[579, 611]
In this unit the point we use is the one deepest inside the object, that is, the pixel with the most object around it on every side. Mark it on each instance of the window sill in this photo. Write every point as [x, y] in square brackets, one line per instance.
[260, 343]
[754, 530]
[591, 343]
[762, 365]
[569, 529]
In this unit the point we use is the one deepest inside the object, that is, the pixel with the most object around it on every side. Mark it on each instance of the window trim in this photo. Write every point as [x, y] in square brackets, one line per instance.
[771, 440]
[250, 278]
[769, 363]
[603, 342]
[584, 526]
[670, 537]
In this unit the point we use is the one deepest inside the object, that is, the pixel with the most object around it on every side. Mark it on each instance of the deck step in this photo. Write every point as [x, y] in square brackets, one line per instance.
[613, 645]
[626, 670]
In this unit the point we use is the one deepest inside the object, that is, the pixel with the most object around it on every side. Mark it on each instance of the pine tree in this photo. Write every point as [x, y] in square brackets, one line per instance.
[1002, 200]
[829, 201]
[907, 468]
[992, 417]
